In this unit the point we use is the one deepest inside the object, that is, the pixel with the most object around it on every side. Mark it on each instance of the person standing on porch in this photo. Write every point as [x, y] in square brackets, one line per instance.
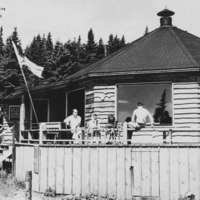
[74, 122]
[141, 116]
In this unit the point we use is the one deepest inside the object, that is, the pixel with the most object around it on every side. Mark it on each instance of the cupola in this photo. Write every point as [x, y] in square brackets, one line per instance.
[165, 19]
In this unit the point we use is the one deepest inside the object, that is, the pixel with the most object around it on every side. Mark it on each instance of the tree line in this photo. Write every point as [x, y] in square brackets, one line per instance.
[59, 60]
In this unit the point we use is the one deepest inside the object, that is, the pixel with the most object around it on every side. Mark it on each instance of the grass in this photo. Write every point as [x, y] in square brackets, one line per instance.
[9, 186]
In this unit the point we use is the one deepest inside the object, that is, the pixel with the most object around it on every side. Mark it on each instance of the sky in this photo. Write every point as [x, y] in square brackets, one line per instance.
[67, 19]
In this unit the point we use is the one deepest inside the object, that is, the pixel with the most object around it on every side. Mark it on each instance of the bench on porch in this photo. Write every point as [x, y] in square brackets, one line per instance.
[50, 130]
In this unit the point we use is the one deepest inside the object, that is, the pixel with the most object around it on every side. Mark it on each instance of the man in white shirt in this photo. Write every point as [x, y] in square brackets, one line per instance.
[140, 117]
[74, 122]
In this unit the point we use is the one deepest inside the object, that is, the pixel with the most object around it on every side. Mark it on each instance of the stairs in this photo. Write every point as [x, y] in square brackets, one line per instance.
[5, 151]
[6, 136]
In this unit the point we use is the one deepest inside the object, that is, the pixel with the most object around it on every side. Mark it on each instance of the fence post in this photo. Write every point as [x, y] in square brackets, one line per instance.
[170, 134]
[125, 132]
[164, 137]
[13, 151]
[40, 133]
[28, 185]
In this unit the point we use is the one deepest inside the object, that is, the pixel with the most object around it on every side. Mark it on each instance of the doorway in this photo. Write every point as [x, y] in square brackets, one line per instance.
[42, 111]
[76, 100]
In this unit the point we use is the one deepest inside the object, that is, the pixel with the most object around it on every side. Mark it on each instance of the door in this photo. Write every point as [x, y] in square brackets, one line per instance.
[145, 172]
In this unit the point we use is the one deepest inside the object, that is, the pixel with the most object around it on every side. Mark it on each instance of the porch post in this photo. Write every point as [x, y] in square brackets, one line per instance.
[125, 124]
[22, 116]
[66, 100]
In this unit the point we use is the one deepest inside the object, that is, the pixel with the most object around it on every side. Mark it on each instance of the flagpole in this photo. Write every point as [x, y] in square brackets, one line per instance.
[29, 94]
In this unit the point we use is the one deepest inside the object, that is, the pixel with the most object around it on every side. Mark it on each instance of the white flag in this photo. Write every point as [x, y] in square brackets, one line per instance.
[35, 69]
[19, 58]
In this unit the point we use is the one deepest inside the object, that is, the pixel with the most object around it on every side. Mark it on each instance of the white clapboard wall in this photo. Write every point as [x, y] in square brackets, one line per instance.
[186, 104]
[100, 100]
[160, 171]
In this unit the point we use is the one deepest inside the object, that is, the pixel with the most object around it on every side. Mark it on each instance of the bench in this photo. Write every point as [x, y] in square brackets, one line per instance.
[50, 130]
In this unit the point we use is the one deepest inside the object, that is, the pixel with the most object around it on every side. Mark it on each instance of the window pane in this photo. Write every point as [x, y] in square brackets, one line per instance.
[155, 97]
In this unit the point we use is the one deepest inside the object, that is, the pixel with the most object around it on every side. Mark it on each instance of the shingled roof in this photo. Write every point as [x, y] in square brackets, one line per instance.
[166, 49]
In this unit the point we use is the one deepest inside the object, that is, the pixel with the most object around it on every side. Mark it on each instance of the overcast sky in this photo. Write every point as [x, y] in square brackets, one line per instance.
[67, 19]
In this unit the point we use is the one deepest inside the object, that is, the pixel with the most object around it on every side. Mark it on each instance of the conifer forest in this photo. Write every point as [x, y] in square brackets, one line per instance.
[58, 59]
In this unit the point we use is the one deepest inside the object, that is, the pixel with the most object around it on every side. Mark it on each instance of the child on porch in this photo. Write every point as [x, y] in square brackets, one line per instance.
[112, 125]
[94, 128]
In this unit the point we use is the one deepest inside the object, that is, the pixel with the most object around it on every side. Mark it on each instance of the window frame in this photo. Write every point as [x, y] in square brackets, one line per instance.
[146, 83]
[10, 108]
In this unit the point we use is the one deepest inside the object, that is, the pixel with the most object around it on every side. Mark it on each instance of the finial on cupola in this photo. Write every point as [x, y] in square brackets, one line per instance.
[165, 15]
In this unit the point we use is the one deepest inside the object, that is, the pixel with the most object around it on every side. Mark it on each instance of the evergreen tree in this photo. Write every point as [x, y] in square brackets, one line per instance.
[100, 49]
[160, 110]
[1, 42]
[16, 40]
[146, 32]
[36, 51]
[114, 43]
[12, 74]
[79, 40]
[110, 44]
[122, 42]
[91, 45]
[59, 60]
[49, 43]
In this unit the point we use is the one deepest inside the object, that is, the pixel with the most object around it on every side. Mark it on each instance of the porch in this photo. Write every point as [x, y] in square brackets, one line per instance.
[54, 133]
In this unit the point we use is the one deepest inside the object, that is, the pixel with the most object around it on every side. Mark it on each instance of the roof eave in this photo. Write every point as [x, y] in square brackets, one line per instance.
[63, 84]
[159, 71]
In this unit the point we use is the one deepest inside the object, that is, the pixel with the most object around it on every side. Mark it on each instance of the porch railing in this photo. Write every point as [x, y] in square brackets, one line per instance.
[52, 133]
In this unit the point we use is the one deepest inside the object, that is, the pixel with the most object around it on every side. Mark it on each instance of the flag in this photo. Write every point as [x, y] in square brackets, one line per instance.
[35, 69]
[19, 58]
[24, 61]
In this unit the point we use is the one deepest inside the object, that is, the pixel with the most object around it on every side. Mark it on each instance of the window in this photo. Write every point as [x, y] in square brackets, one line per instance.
[14, 112]
[156, 98]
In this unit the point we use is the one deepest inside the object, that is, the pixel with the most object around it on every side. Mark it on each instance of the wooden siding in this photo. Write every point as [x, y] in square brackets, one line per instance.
[167, 172]
[185, 99]
[186, 104]
[100, 100]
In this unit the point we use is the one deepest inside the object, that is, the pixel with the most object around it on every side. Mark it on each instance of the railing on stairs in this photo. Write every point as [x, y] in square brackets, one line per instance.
[6, 142]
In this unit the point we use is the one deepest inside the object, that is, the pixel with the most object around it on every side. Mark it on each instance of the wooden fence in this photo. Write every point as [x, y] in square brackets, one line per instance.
[163, 171]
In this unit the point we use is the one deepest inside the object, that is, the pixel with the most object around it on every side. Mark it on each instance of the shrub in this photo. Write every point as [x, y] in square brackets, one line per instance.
[50, 192]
